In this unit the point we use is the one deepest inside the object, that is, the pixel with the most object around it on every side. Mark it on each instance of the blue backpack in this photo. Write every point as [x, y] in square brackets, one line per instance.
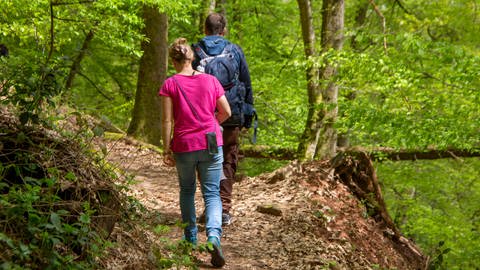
[225, 67]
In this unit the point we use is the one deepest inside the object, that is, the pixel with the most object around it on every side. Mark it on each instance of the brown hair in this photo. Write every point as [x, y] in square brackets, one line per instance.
[215, 24]
[180, 51]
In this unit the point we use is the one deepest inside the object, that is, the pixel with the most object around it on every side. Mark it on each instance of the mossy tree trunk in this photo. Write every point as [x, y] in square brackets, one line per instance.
[146, 115]
[319, 138]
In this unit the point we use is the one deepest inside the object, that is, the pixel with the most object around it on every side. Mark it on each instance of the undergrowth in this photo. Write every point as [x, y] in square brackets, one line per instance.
[60, 200]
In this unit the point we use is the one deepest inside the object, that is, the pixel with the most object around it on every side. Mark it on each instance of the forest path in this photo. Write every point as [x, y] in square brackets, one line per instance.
[156, 186]
[318, 223]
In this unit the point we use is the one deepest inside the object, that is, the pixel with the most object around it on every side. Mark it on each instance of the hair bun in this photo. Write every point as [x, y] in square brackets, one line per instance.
[180, 50]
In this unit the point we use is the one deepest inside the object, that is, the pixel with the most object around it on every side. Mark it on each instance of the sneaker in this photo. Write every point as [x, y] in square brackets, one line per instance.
[214, 248]
[226, 219]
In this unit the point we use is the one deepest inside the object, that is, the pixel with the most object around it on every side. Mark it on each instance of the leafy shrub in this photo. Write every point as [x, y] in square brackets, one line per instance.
[57, 202]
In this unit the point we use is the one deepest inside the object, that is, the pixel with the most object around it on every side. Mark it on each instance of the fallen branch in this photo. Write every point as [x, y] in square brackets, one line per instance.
[377, 154]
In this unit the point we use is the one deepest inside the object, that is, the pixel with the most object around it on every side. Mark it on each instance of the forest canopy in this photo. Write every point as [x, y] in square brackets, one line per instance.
[407, 77]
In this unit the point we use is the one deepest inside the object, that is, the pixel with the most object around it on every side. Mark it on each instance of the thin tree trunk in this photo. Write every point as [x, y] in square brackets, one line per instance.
[146, 117]
[307, 146]
[208, 6]
[360, 18]
[75, 68]
[222, 5]
[319, 138]
[332, 38]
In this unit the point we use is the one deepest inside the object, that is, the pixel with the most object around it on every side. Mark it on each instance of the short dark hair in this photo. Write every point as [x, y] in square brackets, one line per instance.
[3, 50]
[215, 24]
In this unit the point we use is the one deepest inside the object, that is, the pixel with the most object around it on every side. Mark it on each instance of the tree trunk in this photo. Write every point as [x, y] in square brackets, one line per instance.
[360, 18]
[207, 7]
[222, 7]
[307, 146]
[75, 68]
[332, 38]
[146, 116]
[319, 138]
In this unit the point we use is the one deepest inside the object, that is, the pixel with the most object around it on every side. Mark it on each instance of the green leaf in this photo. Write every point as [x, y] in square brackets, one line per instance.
[56, 220]
[84, 218]
[70, 176]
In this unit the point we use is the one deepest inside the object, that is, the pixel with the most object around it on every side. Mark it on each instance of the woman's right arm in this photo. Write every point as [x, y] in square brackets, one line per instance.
[223, 109]
[167, 123]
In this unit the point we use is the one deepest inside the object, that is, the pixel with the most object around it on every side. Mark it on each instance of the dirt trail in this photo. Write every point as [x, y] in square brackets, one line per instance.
[316, 222]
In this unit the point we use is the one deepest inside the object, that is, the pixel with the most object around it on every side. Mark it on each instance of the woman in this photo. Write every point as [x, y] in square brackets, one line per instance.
[190, 99]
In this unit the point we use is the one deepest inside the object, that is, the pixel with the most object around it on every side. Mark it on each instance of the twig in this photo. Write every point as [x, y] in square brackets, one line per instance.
[51, 33]
[72, 3]
[402, 7]
[289, 56]
[94, 85]
[384, 24]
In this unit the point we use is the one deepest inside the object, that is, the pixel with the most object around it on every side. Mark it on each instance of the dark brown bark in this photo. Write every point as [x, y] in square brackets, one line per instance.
[146, 115]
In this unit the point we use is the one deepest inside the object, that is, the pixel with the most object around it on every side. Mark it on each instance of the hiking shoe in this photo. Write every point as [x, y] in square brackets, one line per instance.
[214, 248]
[226, 219]
[202, 219]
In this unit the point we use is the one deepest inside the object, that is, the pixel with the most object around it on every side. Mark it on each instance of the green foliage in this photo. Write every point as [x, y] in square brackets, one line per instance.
[29, 87]
[275, 60]
[418, 93]
[437, 204]
[49, 215]
[255, 166]
[409, 108]
[37, 232]
[179, 254]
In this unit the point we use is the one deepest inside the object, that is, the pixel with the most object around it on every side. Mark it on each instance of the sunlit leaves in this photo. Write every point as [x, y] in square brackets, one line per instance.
[436, 201]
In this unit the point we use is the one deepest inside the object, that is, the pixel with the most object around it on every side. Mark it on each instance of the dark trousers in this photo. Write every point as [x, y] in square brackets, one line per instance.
[230, 162]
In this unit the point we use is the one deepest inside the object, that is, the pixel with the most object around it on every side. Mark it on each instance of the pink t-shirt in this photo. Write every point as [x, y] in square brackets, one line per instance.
[202, 91]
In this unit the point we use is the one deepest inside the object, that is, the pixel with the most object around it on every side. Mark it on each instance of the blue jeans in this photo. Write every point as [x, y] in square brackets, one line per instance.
[209, 168]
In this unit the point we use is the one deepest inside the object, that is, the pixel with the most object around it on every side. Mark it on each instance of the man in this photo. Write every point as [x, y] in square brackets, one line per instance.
[214, 44]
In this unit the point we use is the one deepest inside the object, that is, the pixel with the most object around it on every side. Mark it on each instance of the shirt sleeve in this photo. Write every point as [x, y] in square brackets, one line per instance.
[165, 89]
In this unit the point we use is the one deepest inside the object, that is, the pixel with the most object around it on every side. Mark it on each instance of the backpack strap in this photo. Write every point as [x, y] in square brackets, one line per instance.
[200, 52]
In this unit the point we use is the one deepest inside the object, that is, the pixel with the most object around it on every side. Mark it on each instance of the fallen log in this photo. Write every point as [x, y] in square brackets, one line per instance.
[377, 154]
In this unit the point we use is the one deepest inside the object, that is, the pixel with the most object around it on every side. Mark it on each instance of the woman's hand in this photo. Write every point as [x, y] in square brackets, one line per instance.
[168, 158]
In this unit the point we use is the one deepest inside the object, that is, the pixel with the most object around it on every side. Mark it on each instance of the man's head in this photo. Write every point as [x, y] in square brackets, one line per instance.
[215, 24]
